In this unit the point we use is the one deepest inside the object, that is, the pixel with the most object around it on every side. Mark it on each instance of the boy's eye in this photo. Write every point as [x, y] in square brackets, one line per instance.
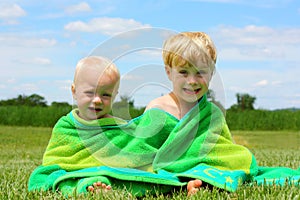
[106, 95]
[202, 73]
[183, 72]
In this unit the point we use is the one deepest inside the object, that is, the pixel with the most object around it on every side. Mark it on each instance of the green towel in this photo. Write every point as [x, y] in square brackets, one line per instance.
[77, 144]
[155, 150]
[278, 176]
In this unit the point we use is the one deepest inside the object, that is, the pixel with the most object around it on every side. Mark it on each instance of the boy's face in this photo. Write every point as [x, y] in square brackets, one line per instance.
[189, 83]
[94, 93]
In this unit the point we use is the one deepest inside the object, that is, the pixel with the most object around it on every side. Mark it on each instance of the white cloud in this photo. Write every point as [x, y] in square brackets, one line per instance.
[107, 26]
[151, 53]
[10, 40]
[81, 7]
[10, 22]
[256, 35]
[257, 43]
[265, 85]
[237, 89]
[276, 83]
[294, 102]
[217, 1]
[26, 88]
[127, 77]
[11, 80]
[11, 11]
[40, 42]
[254, 3]
[297, 95]
[36, 61]
[64, 85]
[261, 83]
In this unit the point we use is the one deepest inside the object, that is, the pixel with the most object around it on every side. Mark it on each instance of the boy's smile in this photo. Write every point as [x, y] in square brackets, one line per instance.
[189, 83]
[192, 91]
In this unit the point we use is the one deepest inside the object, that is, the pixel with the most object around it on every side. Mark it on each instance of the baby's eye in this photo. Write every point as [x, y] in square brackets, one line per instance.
[90, 93]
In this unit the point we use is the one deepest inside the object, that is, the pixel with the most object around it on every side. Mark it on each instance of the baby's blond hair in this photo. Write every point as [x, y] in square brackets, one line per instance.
[108, 68]
[188, 47]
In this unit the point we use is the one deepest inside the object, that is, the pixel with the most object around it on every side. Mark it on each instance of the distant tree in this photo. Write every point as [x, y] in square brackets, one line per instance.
[244, 102]
[32, 100]
[128, 99]
[36, 100]
[125, 108]
[60, 104]
[211, 96]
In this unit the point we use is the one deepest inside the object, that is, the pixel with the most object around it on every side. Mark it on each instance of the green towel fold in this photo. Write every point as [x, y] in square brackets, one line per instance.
[77, 144]
[155, 150]
[202, 136]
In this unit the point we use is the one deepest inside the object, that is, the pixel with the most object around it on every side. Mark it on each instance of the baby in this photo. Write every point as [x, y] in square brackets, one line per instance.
[95, 86]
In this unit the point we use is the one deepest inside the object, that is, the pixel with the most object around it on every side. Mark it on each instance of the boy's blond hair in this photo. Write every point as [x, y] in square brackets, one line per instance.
[108, 68]
[188, 47]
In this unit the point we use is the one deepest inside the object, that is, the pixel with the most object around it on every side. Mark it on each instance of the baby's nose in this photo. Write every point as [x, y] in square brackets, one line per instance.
[97, 99]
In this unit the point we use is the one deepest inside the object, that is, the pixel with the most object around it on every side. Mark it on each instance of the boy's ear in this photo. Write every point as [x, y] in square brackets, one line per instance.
[211, 75]
[73, 90]
[168, 71]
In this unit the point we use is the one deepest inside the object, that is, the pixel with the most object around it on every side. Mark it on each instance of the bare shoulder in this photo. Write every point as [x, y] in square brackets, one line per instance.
[163, 102]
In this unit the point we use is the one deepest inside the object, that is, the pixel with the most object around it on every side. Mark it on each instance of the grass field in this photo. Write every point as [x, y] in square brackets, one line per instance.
[21, 150]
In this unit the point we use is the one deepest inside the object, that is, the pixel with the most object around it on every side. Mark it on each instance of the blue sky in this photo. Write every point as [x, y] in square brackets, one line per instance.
[258, 44]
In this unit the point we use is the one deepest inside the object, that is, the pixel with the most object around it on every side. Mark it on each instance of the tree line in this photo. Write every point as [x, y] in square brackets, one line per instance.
[33, 110]
[31, 100]
[244, 102]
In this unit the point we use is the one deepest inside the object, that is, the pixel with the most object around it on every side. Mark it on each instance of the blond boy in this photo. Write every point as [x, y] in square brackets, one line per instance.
[189, 59]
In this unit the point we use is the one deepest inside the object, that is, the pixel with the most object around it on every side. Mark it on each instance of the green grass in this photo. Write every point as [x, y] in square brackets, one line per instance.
[22, 148]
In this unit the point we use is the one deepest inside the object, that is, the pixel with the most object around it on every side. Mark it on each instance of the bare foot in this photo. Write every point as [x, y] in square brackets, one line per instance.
[193, 186]
[97, 186]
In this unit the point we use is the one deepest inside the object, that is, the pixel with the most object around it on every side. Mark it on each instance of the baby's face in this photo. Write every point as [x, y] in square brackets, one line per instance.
[94, 93]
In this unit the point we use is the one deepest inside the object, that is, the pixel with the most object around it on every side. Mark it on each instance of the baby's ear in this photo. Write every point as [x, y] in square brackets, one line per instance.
[73, 90]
